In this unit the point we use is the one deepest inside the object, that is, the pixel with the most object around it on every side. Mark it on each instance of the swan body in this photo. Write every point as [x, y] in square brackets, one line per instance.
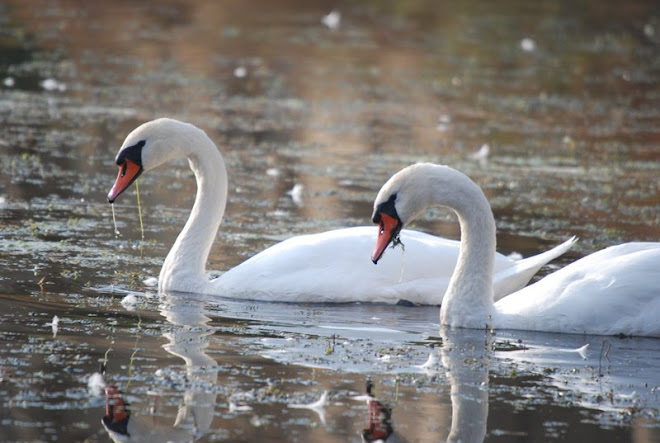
[334, 275]
[613, 291]
[323, 267]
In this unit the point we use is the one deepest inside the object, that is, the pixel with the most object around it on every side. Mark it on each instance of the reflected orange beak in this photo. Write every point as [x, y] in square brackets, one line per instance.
[128, 172]
[117, 414]
[115, 408]
[389, 228]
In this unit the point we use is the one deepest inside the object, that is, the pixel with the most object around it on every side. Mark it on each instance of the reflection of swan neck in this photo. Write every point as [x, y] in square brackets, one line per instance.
[189, 340]
[469, 297]
[185, 265]
[469, 415]
[466, 357]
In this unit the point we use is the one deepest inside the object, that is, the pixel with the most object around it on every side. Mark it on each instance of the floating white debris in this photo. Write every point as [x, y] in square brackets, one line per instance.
[95, 384]
[258, 422]
[150, 282]
[332, 20]
[9, 82]
[481, 155]
[527, 44]
[50, 84]
[320, 403]
[233, 407]
[443, 123]
[272, 172]
[318, 406]
[129, 302]
[240, 72]
[649, 30]
[430, 362]
[515, 256]
[296, 194]
[55, 324]
[582, 351]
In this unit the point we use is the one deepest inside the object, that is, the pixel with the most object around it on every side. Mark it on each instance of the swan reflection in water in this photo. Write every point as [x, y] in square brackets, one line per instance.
[188, 340]
[466, 356]
[379, 422]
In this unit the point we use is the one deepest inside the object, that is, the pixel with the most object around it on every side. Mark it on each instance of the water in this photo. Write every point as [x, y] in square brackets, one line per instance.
[566, 97]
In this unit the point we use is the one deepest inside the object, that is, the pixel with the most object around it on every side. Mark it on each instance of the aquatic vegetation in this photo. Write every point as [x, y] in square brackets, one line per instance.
[312, 116]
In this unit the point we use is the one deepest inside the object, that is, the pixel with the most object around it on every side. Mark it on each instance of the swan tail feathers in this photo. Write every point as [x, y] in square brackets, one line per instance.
[516, 277]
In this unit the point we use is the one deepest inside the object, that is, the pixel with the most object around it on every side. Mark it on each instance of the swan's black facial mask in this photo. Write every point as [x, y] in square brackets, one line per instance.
[389, 223]
[129, 161]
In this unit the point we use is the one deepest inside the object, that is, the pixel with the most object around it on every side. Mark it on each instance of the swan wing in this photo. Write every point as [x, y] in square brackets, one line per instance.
[334, 266]
[331, 267]
[509, 279]
[613, 291]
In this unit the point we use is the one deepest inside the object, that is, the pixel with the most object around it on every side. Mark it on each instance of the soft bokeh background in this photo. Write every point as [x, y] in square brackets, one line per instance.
[565, 95]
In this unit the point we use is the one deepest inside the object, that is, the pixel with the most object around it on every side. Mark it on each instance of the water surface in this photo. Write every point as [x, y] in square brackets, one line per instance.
[566, 96]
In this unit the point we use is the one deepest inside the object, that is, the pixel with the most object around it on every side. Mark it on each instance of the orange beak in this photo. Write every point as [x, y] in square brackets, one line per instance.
[128, 172]
[389, 228]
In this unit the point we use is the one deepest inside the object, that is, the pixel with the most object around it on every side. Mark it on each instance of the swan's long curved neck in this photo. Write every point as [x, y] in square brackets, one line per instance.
[469, 299]
[184, 268]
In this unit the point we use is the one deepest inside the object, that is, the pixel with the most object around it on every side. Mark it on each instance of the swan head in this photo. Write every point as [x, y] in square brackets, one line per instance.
[389, 224]
[396, 205]
[148, 146]
[406, 195]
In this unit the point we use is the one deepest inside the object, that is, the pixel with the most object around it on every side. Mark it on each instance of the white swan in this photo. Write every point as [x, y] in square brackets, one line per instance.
[322, 267]
[613, 291]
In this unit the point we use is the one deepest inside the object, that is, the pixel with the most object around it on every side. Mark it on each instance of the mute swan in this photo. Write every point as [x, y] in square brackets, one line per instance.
[613, 291]
[322, 267]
